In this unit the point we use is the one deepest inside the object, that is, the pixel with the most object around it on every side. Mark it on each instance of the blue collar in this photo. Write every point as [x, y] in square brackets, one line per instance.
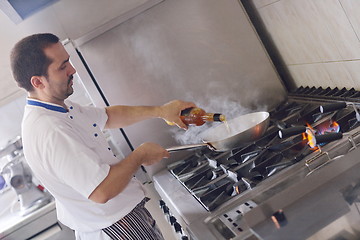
[47, 106]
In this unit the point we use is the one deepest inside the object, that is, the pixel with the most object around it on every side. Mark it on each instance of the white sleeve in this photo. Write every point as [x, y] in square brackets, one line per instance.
[94, 113]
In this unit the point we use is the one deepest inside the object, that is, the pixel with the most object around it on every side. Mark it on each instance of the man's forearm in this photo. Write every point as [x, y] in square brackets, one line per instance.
[121, 173]
[122, 116]
[117, 179]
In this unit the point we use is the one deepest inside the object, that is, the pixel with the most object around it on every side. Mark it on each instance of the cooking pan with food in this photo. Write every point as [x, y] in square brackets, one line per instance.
[237, 131]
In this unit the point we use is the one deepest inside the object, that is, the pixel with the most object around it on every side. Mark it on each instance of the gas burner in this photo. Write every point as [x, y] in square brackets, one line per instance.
[204, 177]
[286, 109]
[213, 178]
[189, 167]
[212, 195]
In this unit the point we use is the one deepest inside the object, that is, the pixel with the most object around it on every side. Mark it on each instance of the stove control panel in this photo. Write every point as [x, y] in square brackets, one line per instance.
[178, 229]
[231, 223]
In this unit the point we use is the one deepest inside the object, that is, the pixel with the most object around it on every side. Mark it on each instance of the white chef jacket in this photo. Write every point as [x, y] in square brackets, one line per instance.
[68, 153]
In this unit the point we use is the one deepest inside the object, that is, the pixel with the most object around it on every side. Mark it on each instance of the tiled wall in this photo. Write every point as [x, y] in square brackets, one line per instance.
[317, 39]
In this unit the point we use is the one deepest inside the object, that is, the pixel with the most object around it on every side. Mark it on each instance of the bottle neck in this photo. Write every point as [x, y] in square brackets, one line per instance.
[216, 117]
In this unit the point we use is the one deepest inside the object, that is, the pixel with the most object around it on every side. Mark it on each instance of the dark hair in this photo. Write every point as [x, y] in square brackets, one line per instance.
[28, 58]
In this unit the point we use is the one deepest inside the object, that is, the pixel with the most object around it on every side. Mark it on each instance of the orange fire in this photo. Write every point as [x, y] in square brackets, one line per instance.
[335, 125]
[237, 189]
[326, 127]
[309, 135]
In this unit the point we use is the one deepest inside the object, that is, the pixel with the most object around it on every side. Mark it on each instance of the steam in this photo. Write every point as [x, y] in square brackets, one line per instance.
[224, 105]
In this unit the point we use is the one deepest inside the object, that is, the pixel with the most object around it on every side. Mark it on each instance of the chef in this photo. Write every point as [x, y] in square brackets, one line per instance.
[95, 193]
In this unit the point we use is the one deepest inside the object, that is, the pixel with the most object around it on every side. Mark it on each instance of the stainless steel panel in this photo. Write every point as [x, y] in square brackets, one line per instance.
[311, 204]
[202, 51]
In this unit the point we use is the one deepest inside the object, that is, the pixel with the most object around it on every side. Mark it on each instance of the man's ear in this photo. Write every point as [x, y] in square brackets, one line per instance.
[37, 82]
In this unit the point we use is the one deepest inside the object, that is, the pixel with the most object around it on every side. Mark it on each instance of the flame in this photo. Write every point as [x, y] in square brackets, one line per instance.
[305, 134]
[323, 128]
[310, 133]
[311, 140]
[327, 127]
[237, 189]
[335, 126]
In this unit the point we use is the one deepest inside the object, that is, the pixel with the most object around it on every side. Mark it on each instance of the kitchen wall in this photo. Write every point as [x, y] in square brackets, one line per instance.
[11, 113]
[318, 41]
[203, 51]
[73, 19]
[66, 19]
[10, 118]
[10, 34]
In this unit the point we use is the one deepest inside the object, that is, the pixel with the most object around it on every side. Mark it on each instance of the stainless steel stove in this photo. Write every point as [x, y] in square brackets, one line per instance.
[266, 189]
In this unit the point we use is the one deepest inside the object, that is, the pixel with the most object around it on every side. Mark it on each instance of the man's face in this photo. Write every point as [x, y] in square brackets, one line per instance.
[58, 83]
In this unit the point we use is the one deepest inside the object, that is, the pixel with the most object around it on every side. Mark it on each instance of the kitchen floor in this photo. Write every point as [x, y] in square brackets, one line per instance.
[65, 233]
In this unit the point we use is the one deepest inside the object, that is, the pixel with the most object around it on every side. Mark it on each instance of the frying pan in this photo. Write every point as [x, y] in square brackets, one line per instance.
[243, 129]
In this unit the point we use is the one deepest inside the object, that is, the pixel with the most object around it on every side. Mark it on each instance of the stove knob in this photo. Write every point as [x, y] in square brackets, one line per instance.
[177, 227]
[165, 210]
[172, 220]
[279, 219]
[162, 203]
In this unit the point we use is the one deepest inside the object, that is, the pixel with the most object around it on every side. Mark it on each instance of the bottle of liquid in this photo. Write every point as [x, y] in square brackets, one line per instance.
[198, 116]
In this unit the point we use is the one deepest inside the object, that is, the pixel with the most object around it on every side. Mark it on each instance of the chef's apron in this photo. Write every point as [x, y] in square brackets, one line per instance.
[136, 225]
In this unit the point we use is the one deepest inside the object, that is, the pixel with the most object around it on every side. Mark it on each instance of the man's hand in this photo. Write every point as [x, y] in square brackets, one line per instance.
[170, 112]
[150, 153]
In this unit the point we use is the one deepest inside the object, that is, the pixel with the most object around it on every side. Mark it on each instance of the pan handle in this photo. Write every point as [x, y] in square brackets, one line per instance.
[185, 147]
[332, 107]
